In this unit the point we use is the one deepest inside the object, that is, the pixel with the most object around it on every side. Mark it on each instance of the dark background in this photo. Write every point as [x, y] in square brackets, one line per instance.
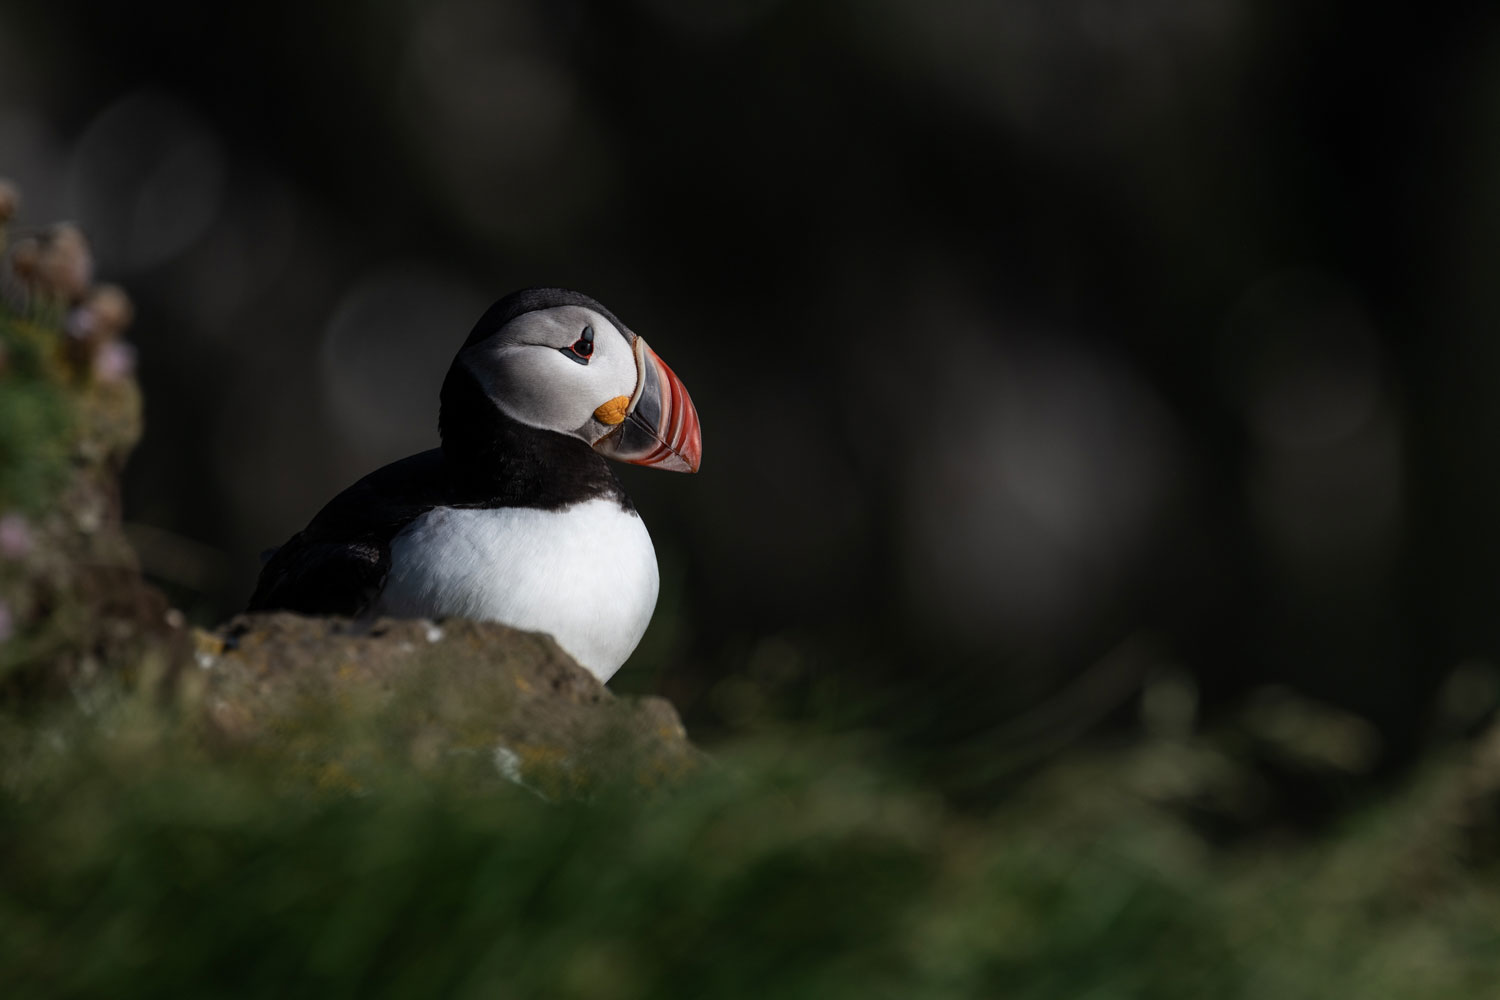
[1042, 347]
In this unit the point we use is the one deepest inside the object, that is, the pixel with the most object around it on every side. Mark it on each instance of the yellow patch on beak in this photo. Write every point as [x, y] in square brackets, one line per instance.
[613, 411]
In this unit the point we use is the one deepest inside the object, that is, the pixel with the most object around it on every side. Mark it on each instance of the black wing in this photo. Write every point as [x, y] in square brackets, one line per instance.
[337, 565]
[322, 578]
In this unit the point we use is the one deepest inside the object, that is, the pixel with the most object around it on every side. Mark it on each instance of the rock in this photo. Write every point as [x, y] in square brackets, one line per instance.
[80, 618]
[345, 700]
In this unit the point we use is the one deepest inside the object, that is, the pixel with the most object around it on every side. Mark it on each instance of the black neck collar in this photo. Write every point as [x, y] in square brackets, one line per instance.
[500, 462]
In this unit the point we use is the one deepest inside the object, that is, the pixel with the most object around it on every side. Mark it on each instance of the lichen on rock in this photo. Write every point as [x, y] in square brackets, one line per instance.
[342, 701]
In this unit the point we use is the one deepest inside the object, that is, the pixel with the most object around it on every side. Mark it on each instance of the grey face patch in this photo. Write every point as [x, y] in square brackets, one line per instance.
[524, 372]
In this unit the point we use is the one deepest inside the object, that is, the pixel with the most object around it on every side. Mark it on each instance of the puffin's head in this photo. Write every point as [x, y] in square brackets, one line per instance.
[557, 360]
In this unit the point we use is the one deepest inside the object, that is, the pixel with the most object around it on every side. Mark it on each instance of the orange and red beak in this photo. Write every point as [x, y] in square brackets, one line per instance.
[660, 428]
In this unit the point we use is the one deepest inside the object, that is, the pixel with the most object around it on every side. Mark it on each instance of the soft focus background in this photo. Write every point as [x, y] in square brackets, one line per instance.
[1062, 363]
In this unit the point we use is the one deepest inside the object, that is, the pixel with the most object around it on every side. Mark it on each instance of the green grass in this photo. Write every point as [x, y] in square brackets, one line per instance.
[135, 864]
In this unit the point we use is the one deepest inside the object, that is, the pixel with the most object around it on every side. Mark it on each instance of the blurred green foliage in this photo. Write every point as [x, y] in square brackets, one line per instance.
[35, 417]
[136, 865]
[72, 603]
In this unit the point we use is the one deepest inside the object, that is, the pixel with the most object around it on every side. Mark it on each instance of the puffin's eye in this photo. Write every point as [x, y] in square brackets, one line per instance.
[583, 348]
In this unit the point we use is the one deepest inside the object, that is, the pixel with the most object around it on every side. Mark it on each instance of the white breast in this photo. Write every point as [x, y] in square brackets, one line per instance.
[586, 575]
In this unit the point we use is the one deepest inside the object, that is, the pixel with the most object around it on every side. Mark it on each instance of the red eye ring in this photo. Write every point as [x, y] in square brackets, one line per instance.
[581, 349]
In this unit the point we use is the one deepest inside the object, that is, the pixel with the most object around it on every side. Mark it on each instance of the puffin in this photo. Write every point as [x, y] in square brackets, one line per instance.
[517, 517]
